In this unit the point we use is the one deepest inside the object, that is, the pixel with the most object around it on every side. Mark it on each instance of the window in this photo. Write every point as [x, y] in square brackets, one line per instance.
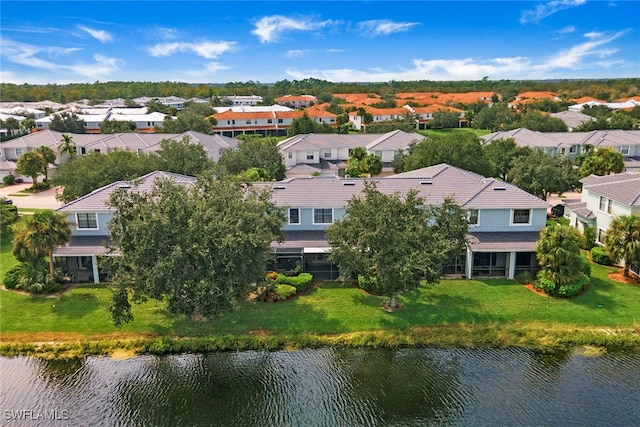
[279, 120]
[573, 149]
[228, 122]
[327, 154]
[601, 236]
[87, 220]
[290, 155]
[523, 258]
[605, 205]
[323, 216]
[474, 217]
[521, 216]
[377, 154]
[248, 122]
[18, 152]
[269, 121]
[294, 216]
[310, 155]
[83, 150]
[624, 150]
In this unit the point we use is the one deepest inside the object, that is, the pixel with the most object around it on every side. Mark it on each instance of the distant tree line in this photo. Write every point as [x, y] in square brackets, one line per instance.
[605, 89]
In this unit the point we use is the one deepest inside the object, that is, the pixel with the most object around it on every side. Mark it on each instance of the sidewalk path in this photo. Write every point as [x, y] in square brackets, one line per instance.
[43, 200]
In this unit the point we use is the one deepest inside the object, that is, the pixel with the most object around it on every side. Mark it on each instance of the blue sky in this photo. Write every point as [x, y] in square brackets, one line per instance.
[341, 41]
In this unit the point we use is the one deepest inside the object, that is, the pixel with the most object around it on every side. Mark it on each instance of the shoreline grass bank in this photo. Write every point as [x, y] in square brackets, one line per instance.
[539, 336]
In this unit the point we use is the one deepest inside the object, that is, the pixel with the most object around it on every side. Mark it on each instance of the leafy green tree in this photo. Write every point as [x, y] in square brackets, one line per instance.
[183, 157]
[537, 121]
[254, 152]
[304, 125]
[394, 241]
[622, 120]
[198, 247]
[68, 146]
[31, 164]
[501, 154]
[602, 161]
[360, 163]
[622, 240]
[8, 217]
[40, 234]
[558, 252]
[542, 174]
[117, 126]
[49, 156]
[497, 117]
[95, 170]
[460, 149]
[67, 122]
[443, 119]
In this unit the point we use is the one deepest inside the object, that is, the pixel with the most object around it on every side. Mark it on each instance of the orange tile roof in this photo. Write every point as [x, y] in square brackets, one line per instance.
[631, 98]
[434, 108]
[359, 98]
[584, 99]
[537, 95]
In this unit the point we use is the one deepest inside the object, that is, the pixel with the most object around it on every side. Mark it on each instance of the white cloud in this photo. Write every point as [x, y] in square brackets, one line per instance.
[34, 30]
[205, 49]
[518, 67]
[547, 9]
[567, 30]
[100, 35]
[48, 58]
[572, 57]
[270, 28]
[301, 53]
[166, 33]
[384, 27]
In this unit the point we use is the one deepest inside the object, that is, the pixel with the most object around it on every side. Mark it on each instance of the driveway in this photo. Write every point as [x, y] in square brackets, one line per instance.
[43, 200]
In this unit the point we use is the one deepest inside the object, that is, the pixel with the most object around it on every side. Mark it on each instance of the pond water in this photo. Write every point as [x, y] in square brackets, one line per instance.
[326, 387]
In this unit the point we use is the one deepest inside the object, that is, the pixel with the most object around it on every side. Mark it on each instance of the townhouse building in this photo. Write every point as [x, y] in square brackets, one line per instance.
[572, 144]
[265, 121]
[297, 101]
[139, 143]
[505, 221]
[602, 199]
[326, 154]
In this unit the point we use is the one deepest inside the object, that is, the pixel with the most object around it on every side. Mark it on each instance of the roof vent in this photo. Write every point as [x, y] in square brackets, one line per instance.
[427, 182]
[351, 183]
[279, 187]
[124, 186]
[499, 188]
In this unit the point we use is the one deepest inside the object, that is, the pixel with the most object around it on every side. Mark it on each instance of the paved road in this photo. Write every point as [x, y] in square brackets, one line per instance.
[43, 200]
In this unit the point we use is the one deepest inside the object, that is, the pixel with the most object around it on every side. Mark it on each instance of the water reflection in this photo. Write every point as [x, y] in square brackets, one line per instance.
[328, 387]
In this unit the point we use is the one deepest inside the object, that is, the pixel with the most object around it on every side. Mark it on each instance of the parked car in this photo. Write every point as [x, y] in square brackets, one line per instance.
[6, 201]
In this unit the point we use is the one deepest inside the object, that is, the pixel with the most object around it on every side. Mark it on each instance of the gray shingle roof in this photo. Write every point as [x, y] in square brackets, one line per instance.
[83, 245]
[96, 201]
[503, 241]
[297, 240]
[623, 187]
[394, 140]
[434, 184]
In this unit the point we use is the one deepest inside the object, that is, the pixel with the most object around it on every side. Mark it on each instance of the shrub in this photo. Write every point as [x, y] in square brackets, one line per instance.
[600, 256]
[588, 238]
[8, 217]
[272, 276]
[546, 285]
[586, 268]
[35, 279]
[573, 289]
[12, 276]
[524, 277]
[301, 282]
[284, 291]
[9, 179]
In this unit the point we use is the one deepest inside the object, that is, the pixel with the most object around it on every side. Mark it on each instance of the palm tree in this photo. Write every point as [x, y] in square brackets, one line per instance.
[622, 241]
[558, 252]
[41, 233]
[67, 145]
[49, 156]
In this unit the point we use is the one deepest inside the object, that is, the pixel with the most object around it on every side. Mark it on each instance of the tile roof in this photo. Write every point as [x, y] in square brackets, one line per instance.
[297, 240]
[96, 201]
[623, 187]
[83, 245]
[393, 140]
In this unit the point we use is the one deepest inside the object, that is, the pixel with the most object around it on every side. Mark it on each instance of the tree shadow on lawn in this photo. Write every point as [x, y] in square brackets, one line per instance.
[498, 282]
[418, 310]
[264, 318]
[74, 305]
[596, 296]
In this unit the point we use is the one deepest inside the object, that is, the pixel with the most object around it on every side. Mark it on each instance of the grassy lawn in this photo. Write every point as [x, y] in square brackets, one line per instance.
[461, 307]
